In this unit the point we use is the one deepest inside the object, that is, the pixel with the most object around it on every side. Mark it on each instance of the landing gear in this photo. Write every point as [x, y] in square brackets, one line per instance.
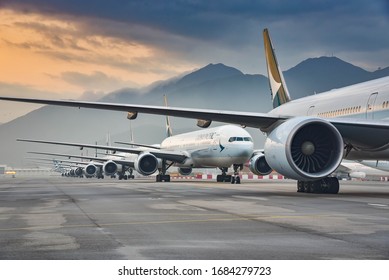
[233, 179]
[131, 176]
[162, 176]
[236, 178]
[325, 185]
[223, 177]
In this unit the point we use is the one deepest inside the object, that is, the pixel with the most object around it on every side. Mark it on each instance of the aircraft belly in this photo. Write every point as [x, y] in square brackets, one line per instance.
[217, 158]
[365, 155]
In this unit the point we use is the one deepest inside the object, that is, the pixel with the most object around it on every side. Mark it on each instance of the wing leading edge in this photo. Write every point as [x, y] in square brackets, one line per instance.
[249, 119]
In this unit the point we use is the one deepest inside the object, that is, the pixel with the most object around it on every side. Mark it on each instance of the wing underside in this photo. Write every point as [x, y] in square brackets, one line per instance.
[355, 132]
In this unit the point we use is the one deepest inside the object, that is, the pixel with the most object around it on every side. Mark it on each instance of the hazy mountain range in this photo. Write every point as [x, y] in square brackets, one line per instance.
[215, 86]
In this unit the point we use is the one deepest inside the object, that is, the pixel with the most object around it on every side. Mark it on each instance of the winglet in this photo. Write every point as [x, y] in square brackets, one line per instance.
[279, 91]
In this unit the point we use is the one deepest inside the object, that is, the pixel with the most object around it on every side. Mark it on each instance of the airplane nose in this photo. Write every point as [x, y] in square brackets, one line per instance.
[242, 150]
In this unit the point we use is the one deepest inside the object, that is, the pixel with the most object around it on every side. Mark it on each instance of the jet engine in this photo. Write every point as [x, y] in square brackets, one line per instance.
[357, 174]
[78, 172]
[185, 171]
[110, 168]
[146, 164]
[258, 165]
[304, 148]
[90, 170]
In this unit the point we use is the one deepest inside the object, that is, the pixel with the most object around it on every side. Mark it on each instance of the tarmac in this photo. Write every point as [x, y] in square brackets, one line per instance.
[57, 218]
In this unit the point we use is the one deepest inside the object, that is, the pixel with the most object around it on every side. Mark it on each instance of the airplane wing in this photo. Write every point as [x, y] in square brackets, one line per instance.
[249, 119]
[168, 155]
[139, 145]
[68, 161]
[355, 132]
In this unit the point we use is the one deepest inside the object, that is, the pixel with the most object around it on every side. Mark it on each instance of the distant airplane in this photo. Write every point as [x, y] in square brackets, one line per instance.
[306, 138]
[106, 165]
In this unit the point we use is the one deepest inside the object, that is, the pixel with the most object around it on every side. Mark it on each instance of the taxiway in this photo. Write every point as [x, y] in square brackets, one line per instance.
[66, 218]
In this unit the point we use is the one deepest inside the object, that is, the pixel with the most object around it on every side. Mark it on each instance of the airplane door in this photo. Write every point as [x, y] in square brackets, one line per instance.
[370, 106]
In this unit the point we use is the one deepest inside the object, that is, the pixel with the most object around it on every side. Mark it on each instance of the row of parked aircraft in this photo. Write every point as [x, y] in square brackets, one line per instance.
[307, 138]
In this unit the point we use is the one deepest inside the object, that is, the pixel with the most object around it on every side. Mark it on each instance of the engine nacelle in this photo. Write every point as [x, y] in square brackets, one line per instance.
[304, 148]
[259, 166]
[110, 168]
[146, 164]
[90, 170]
[357, 174]
[78, 172]
[185, 171]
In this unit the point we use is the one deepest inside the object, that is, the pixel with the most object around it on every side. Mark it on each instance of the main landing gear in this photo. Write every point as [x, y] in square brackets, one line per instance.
[162, 176]
[326, 185]
[233, 179]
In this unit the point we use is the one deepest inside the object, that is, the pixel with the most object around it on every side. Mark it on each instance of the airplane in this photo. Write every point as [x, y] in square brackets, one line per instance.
[307, 138]
[66, 168]
[219, 147]
[108, 165]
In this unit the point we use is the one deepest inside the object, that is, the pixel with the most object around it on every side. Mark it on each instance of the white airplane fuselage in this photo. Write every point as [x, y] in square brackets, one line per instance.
[213, 147]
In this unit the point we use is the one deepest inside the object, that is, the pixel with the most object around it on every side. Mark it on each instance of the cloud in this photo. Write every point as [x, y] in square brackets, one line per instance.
[198, 32]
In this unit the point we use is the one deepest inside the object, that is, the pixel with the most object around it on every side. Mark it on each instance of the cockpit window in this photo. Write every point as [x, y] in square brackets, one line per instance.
[246, 139]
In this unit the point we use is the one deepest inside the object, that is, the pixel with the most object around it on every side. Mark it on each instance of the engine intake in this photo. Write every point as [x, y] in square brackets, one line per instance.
[90, 169]
[304, 148]
[185, 171]
[110, 168]
[78, 171]
[259, 166]
[146, 164]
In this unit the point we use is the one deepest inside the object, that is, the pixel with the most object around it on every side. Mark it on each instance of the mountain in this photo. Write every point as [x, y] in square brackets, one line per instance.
[316, 75]
[215, 86]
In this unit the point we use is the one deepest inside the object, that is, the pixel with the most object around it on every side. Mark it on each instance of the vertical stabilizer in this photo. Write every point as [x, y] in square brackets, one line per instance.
[169, 131]
[279, 91]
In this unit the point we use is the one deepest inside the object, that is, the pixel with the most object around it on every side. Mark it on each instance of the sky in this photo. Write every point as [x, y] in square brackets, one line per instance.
[68, 49]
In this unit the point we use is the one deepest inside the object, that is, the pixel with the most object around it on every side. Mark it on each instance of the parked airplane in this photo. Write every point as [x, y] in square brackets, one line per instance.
[70, 168]
[220, 147]
[108, 165]
[306, 138]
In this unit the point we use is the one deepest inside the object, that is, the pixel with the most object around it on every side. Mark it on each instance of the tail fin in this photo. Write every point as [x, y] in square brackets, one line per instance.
[279, 91]
[169, 131]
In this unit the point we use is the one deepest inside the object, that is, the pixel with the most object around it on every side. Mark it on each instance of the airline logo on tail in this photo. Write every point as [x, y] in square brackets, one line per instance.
[279, 91]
